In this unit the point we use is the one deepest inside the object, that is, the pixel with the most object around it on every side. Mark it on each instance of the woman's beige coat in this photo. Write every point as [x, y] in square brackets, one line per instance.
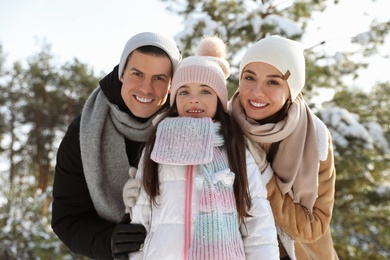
[309, 239]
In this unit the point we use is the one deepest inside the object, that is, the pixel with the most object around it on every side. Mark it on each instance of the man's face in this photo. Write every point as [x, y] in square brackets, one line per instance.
[146, 82]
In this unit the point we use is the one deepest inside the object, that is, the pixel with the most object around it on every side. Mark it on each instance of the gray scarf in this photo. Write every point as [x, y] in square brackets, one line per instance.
[102, 131]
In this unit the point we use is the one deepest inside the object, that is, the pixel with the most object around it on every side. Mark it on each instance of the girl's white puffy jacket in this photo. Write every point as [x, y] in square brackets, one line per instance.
[165, 222]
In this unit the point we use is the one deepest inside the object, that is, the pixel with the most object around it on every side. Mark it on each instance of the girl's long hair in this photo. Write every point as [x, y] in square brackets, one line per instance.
[235, 144]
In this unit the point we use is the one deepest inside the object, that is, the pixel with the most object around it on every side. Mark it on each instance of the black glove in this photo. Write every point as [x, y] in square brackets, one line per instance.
[126, 238]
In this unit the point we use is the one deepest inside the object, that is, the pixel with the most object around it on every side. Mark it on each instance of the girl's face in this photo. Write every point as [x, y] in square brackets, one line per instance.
[196, 100]
[263, 91]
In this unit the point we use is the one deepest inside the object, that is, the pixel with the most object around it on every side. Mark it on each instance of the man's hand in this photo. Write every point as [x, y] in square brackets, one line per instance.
[127, 238]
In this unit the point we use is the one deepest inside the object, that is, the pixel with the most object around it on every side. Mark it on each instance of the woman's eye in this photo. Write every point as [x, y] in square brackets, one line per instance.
[249, 78]
[206, 92]
[183, 92]
[273, 82]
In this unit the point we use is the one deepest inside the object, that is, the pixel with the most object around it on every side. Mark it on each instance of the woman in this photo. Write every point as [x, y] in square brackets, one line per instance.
[276, 119]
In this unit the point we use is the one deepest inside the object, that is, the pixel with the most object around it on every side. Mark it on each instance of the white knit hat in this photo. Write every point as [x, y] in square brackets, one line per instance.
[149, 39]
[208, 67]
[284, 54]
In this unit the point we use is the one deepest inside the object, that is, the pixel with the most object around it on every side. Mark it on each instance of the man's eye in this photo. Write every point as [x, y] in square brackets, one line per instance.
[159, 78]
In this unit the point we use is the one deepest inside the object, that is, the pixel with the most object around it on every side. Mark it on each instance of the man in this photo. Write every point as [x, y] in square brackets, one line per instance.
[101, 145]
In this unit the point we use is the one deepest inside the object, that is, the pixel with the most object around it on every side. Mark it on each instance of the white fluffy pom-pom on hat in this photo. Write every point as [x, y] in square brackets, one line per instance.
[207, 67]
[285, 55]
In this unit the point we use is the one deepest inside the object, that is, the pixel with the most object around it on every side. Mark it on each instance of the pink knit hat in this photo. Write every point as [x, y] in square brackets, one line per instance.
[208, 67]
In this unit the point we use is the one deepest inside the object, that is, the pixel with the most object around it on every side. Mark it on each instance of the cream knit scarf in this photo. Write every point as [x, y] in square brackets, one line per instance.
[102, 131]
[303, 143]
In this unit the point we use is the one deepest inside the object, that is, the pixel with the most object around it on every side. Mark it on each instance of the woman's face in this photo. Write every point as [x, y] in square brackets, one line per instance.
[263, 91]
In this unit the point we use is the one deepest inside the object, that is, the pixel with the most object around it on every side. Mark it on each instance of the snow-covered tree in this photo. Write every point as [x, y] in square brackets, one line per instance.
[33, 97]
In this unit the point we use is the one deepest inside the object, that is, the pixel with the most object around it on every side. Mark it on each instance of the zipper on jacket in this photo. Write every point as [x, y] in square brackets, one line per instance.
[188, 210]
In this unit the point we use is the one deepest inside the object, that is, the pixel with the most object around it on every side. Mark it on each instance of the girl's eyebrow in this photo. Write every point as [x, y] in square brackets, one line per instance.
[202, 86]
[184, 86]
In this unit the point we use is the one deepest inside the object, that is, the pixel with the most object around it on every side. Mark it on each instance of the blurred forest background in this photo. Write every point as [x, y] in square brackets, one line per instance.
[40, 98]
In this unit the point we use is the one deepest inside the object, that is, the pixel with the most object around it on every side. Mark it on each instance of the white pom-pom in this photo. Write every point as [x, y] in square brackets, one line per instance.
[212, 46]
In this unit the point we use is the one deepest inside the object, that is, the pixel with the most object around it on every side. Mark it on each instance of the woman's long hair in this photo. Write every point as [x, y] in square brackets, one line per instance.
[235, 144]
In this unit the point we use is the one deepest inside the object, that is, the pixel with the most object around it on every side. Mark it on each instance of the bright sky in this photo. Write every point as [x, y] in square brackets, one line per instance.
[95, 31]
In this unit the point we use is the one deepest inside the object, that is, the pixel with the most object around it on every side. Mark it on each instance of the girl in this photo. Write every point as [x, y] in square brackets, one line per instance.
[274, 116]
[202, 195]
